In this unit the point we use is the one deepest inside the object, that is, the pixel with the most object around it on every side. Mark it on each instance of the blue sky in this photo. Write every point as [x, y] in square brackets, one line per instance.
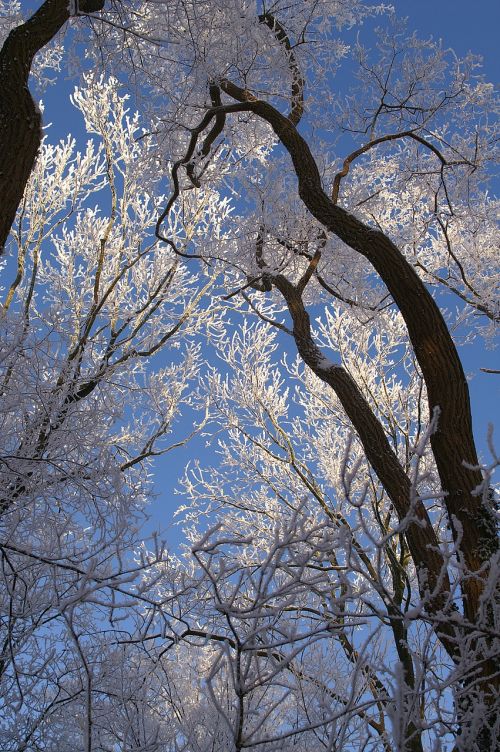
[463, 25]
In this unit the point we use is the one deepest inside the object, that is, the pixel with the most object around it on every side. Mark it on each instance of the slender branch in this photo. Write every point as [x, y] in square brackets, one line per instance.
[380, 140]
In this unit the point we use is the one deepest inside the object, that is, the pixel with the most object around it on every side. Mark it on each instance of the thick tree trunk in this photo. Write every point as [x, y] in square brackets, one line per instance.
[471, 522]
[422, 540]
[20, 120]
[453, 446]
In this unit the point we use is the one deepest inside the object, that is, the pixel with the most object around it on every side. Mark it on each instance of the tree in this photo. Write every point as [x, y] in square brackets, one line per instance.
[82, 415]
[403, 110]
[289, 464]
[401, 531]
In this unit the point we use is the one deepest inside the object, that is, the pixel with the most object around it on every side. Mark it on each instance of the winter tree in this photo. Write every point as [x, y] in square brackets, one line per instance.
[82, 412]
[293, 248]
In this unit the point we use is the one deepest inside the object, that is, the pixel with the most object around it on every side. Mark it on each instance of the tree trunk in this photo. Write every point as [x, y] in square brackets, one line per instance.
[472, 525]
[20, 119]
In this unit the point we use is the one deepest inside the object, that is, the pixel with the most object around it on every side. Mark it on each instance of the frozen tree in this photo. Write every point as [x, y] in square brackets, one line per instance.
[347, 597]
[297, 240]
[293, 461]
[90, 301]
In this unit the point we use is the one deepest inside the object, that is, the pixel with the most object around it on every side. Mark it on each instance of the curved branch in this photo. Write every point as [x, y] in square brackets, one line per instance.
[215, 131]
[374, 142]
[298, 83]
[422, 540]
[213, 112]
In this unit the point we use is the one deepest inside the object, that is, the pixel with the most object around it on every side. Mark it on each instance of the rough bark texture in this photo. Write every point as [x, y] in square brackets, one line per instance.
[20, 120]
[422, 540]
[452, 443]
[471, 522]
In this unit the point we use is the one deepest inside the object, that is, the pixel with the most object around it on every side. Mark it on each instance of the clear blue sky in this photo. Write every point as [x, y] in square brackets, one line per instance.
[463, 25]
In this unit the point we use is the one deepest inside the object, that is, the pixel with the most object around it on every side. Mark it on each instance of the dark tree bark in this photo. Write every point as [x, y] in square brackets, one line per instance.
[423, 543]
[20, 119]
[471, 521]
[452, 443]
